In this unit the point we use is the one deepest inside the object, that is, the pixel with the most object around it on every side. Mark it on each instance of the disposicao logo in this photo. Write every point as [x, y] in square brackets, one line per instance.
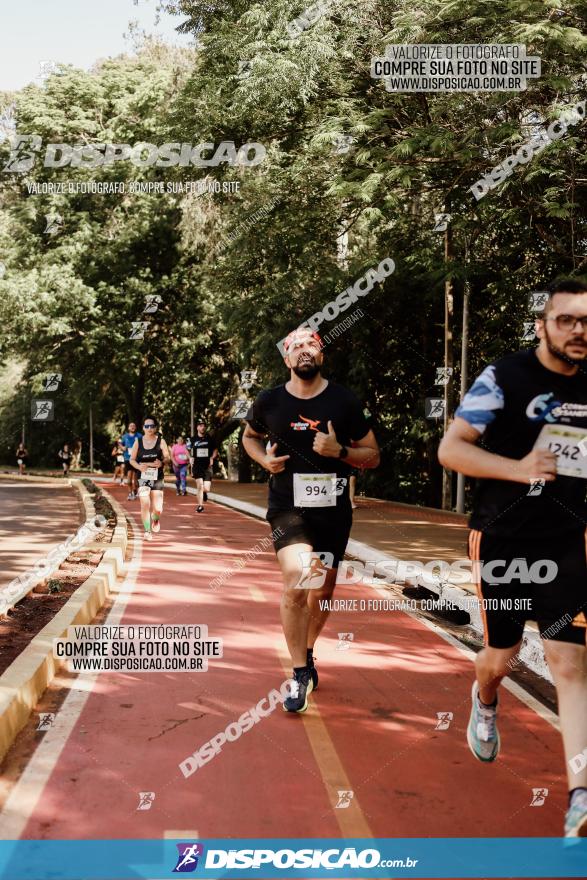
[25, 149]
[187, 860]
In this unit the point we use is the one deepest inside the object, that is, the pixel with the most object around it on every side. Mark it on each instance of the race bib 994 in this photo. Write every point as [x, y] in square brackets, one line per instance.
[314, 490]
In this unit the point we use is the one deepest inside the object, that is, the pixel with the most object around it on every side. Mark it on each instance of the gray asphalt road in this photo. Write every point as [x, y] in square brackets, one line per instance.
[34, 518]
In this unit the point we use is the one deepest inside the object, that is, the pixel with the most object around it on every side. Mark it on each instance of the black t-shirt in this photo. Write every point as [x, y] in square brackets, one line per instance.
[64, 456]
[202, 449]
[292, 423]
[511, 401]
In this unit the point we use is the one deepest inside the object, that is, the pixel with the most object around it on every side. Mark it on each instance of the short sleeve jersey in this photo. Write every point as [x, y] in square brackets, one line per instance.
[509, 404]
[128, 441]
[292, 423]
[202, 449]
[181, 453]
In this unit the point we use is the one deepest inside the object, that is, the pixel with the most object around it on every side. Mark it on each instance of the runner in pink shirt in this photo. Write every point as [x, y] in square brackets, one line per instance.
[180, 459]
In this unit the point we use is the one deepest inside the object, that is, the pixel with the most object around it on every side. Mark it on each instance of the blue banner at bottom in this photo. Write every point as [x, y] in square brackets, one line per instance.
[302, 858]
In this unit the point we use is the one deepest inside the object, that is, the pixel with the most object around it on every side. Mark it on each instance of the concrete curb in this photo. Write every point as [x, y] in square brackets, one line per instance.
[26, 679]
[531, 651]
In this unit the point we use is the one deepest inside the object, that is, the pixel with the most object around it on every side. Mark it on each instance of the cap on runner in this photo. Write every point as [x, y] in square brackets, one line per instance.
[300, 334]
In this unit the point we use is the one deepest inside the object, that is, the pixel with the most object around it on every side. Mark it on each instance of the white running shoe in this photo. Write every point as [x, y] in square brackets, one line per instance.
[482, 733]
[576, 818]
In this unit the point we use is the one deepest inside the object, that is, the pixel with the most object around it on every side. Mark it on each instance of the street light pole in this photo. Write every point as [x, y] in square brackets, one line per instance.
[448, 354]
[192, 415]
[464, 367]
[91, 441]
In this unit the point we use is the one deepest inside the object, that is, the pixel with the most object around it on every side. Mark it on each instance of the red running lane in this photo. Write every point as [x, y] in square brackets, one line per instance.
[370, 728]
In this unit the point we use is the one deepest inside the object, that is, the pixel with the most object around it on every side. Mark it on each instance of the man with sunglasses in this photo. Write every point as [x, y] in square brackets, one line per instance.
[316, 432]
[522, 431]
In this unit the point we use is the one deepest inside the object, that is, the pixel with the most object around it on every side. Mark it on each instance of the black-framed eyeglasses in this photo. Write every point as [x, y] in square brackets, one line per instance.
[569, 322]
[151, 425]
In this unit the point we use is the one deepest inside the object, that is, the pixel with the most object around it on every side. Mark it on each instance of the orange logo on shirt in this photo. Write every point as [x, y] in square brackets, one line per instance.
[305, 424]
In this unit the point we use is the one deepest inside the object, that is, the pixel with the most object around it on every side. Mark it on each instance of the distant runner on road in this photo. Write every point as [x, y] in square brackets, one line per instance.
[203, 454]
[128, 440]
[529, 515]
[310, 423]
[21, 458]
[65, 455]
[148, 456]
[117, 456]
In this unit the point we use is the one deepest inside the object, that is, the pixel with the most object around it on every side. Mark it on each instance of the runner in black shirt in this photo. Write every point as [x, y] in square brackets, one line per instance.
[528, 522]
[65, 456]
[148, 455]
[203, 453]
[21, 458]
[316, 433]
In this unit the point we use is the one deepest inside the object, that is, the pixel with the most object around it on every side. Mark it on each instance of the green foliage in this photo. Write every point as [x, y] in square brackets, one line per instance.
[236, 272]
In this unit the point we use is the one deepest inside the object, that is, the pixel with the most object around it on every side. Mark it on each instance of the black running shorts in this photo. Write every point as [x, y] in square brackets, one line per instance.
[546, 582]
[205, 475]
[324, 532]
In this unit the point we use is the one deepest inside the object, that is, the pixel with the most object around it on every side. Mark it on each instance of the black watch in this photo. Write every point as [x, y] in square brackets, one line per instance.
[343, 452]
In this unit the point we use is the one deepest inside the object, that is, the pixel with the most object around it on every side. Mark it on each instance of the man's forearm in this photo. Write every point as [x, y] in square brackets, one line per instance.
[254, 448]
[472, 461]
[362, 456]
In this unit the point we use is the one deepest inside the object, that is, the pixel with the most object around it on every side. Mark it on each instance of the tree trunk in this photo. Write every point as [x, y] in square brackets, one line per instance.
[138, 395]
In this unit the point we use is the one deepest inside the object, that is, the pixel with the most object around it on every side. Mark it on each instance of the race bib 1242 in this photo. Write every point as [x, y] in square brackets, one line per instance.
[567, 443]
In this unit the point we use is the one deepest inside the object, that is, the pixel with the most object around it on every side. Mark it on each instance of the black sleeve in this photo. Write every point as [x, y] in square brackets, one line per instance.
[358, 425]
[255, 416]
